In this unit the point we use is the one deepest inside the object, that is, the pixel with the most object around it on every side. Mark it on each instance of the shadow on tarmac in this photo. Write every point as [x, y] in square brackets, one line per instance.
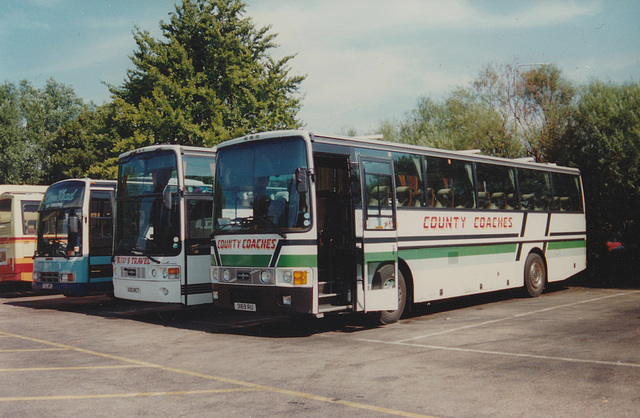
[207, 318]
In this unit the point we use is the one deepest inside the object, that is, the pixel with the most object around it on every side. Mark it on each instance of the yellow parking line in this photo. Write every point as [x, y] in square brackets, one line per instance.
[19, 350]
[120, 395]
[48, 369]
[247, 385]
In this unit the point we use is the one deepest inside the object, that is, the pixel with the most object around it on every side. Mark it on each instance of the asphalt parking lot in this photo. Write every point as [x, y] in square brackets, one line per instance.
[574, 351]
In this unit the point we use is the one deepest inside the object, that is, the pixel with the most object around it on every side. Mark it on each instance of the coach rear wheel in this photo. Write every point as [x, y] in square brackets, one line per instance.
[535, 275]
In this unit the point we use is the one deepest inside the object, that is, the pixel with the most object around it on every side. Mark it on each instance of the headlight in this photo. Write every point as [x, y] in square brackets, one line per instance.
[67, 278]
[265, 276]
[287, 277]
[226, 276]
[174, 273]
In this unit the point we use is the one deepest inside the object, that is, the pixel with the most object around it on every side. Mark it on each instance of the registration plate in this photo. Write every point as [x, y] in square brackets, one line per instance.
[240, 306]
[133, 289]
[47, 286]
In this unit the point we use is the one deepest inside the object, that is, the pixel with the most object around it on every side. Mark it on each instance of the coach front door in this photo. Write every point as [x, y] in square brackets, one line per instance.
[380, 242]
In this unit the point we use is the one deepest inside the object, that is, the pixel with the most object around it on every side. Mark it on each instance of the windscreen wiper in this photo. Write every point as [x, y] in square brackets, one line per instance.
[271, 225]
[140, 251]
[220, 229]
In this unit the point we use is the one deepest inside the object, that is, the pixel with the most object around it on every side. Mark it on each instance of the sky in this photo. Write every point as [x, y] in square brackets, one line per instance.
[365, 61]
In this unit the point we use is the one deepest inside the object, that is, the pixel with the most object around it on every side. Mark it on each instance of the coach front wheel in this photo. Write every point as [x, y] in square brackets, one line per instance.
[389, 317]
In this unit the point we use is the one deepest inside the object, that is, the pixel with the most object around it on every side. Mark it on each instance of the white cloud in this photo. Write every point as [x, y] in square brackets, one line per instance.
[83, 56]
[368, 55]
[545, 13]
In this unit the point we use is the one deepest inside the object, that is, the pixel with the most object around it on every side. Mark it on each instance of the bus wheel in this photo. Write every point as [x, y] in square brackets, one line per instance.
[389, 317]
[535, 275]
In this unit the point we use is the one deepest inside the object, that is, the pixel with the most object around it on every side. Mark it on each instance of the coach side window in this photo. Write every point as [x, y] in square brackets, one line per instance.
[100, 223]
[566, 193]
[409, 183]
[496, 187]
[5, 211]
[450, 183]
[535, 189]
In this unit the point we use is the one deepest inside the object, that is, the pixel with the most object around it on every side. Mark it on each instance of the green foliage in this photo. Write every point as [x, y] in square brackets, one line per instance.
[12, 134]
[604, 143]
[508, 112]
[462, 121]
[30, 122]
[85, 146]
[533, 106]
[209, 80]
[504, 112]
[547, 104]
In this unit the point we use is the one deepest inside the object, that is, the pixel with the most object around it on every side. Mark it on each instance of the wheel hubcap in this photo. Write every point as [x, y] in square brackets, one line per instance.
[535, 274]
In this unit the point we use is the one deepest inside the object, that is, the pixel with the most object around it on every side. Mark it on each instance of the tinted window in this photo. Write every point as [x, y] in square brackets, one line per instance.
[198, 174]
[379, 186]
[496, 187]
[29, 217]
[566, 193]
[199, 225]
[5, 211]
[535, 189]
[100, 224]
[409, 182]
[449, 183]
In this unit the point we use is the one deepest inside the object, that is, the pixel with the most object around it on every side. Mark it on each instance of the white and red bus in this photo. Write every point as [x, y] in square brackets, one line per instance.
[312, 224]
[18, 218]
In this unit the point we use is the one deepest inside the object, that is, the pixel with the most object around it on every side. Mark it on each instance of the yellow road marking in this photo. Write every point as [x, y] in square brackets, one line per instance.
[120, 395]
[43, 369]
[247, 385]
[18, 350]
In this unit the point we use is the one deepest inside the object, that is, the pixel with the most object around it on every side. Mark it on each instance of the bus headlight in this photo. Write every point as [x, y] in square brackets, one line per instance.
[226, 276]
[265, 276]
[214, 275]
[66, 277]
[35, 276]
[171, 273]
[287, 276]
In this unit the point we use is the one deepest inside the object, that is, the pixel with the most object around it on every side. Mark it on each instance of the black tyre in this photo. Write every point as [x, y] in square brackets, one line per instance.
[386, 274]
[535, 275]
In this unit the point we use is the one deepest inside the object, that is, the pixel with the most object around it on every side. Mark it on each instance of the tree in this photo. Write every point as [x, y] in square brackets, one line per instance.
[604, 142]
[534, 105]
[504, 112]
[85, 146]
[209, 80]
[30, 121]
[462, 121]
[11, 134]
[425, 125]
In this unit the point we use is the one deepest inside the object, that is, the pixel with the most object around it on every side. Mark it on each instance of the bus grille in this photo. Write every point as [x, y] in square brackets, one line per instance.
[49, 276]
[133, 272]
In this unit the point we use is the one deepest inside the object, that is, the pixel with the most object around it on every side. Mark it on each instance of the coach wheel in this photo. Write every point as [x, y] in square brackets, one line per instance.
[535, 275]
[386, 274]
